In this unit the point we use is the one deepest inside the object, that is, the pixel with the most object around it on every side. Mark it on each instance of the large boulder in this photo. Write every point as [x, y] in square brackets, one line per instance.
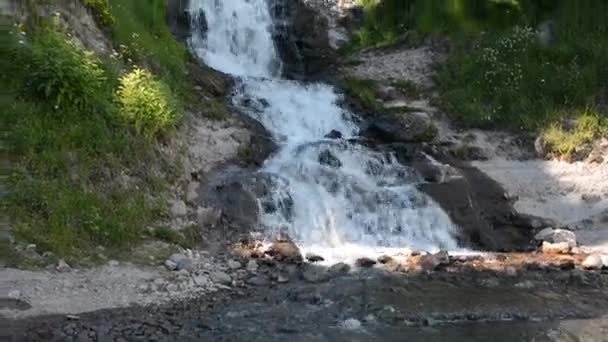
[301, 35]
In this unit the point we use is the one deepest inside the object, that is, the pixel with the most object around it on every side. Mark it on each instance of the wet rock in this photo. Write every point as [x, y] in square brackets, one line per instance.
[556, 248]
[385, 259]
[405, 127]
[365, 262]
[312, 257]
[63, 266]
[328, 159]
[285, 251]
[221, 278]
[258, 281]
[234, 265]
[430, 262]
[238, 203]
[334, 135]
[178, 208]
[313, 274]
[593, 262]
[339, 269]
[351, 324]
[591, 198]
[557, 236]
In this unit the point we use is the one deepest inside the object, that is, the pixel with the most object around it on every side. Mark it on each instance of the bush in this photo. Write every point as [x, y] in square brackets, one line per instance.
[60, 73]
[102, 11]
[566, 143]
[366, 91]
[145, 103]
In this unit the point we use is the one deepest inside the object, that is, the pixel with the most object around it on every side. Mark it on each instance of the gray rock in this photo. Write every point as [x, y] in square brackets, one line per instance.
[281, 279]
[258, 281]
[113, 263]
[365, 262]
[252, 266]
[221, 278]
[192, 192]
[170, 265]
[334, 135]
[208, 217]
[312, 257]
[404, 127]
[285, 250]
[234, 265]
[48, 255]
[177, 262]
[591, 198]
[593, 262]
[351, 324]
[178, 208]
[172, 288]
[63, 266]
[339, 269]
[313, 274]
[201, 280]
[557, 236]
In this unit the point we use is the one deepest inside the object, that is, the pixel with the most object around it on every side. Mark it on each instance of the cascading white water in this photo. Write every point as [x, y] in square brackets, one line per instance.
[333, 197]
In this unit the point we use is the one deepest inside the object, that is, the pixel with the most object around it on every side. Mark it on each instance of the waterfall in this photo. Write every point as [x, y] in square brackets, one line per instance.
[333, 197]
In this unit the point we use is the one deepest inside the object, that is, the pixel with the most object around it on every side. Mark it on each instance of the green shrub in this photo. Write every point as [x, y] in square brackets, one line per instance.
[365, 91]
[61, 73]
[145, 103]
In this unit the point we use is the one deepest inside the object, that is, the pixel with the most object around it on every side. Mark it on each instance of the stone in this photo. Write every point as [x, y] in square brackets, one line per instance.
[221, 278]
[365, 262]
[258, 281]
[170, 265]
[556, 248]
[178, 208]
[63, 266]
[334, 135]
[201, 280]
[192, 192]
[234, 265]
[403, 127]
[48, 255]
[281, 279]
[566, 264]
[329, 159]
[339, 269]
[178, 262]
[315, 274]
[208, 217]
[591, 198]
[252, 266]
[556, 236]
[113, 263]
[312, 257]
[351, 324]
[593, 262]
[172, 288]
[539, 147]
[284, 250]
[384, 259]
[431, 262]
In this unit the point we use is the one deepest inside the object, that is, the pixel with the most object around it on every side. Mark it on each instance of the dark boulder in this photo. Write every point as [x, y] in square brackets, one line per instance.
[334, 135]
[404, 127]
[328, 159]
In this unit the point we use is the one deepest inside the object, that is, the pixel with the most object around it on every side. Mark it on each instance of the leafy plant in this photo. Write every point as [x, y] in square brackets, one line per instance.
[61, 73]
[565, 142]
[146, 103]
[366, 91]
[102, 11]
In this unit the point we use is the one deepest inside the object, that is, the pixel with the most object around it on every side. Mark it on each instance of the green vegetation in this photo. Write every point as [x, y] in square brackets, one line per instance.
[366, 91]
[101, 8]
[146, 103]
[566, 142]
[79, 177]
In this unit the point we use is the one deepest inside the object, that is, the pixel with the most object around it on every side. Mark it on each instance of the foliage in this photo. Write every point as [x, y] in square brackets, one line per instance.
[59, 72]
[565, 142]
[366, 91]
[513, 78]
[146, 103]
[102, 11]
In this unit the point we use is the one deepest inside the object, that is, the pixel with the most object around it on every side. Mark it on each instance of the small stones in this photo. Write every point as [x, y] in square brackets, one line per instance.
[339, 269]
[172, 288]
[178, 262]
[221, 278]
[258, 281]
[351, 324]
[593, 262]
[556, 248]
[202, 280]
[234, 265]
[315, 274]
[365, 262]
[591, 198]
[63, 266]
[312, 257]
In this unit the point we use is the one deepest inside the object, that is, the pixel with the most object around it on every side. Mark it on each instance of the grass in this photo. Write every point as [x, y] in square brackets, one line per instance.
[79, 177]
[365, 91]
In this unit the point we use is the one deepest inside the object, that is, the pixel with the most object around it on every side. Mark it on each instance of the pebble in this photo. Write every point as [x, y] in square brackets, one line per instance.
[221, 277]
[113, 263]
[63, 266]
[351, 324]
[252, 266]
[234, 265]
[201, 280]
[281, 279]
[258, 281]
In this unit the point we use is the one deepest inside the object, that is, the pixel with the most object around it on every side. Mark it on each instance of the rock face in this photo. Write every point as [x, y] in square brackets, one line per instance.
[301, 35]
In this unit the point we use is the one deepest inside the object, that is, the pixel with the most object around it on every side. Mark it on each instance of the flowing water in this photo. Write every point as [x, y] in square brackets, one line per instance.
[333, 197]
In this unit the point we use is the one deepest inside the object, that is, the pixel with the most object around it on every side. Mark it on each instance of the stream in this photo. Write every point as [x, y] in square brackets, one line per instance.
[333, 197]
